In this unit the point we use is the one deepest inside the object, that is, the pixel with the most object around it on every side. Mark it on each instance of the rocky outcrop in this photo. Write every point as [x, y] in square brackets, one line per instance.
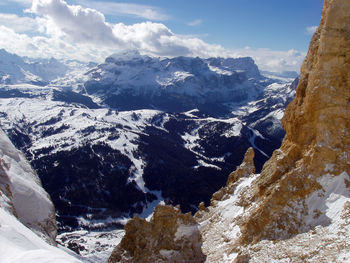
[247, 168]
[298, 207]
[317, 124]
[22, 195]
[170, 236]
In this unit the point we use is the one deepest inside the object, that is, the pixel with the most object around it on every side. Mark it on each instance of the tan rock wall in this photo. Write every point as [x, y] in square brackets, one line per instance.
[317, 124]
[170, 236]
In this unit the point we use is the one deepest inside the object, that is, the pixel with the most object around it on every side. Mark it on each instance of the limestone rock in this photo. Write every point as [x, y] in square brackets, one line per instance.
[317, 124]
[297, 209]
[247, 168]
[170, 236]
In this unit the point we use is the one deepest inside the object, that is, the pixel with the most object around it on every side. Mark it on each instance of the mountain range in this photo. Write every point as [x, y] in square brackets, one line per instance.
[115, 139]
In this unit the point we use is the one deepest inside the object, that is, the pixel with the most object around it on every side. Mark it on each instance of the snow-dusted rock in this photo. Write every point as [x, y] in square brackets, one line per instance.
[27, 216]
[170, 236]
[297, 209]
[176, 84]
[23, 194]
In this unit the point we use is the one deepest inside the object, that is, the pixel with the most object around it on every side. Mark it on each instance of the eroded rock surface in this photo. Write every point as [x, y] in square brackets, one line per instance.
[298, 207]
[170, 236]
[317, 124]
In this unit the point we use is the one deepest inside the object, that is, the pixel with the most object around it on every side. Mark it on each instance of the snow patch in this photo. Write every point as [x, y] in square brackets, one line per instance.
[19, 244]
[185, 231]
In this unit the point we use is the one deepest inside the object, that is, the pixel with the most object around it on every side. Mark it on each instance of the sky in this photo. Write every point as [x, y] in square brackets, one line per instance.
[275, 33]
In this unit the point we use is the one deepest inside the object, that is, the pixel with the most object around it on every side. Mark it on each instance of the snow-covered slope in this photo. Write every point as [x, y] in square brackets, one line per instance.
[101, 165]
[27, 215]
[23, 192]
[19, 244]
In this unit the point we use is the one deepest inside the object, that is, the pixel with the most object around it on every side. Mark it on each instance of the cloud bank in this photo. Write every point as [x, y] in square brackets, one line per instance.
[73, 32]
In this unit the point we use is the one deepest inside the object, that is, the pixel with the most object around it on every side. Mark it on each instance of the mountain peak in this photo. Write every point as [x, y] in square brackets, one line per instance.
[125, 56]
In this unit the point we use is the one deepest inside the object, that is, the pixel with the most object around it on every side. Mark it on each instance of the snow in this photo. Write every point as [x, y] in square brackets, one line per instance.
[98, 245]
[329, 201]
[202, 163]
[229, 208]
[234, 131]
[30, 201]
[185, 231]
[220, 71]
[19, 244]
[32, 207]
[256, 133]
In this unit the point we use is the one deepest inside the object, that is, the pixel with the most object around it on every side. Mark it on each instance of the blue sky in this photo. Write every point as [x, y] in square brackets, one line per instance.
[275, 24]
[276, 33]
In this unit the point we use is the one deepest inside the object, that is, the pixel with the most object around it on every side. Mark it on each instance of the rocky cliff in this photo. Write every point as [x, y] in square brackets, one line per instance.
[298, 208]
[317, 141]
[170, 236]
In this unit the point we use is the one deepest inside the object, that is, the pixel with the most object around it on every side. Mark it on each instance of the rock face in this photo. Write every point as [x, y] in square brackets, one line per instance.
[298, 207]
[21, 193]
[246, 169]
[170, 236]
[317, 124]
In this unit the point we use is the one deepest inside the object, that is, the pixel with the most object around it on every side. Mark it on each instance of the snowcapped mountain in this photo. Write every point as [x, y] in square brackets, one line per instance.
[15, 69]
[121, 137]
[130, 81]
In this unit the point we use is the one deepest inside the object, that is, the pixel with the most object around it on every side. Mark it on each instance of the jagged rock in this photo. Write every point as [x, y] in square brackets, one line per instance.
[317, 124]
[297, 209]
[247, 168]
[170, 236]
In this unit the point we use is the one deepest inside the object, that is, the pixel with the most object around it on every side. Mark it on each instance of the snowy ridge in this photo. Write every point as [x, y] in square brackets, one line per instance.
[29, 226]
[31, 204]
[176, 84]
[19, 244]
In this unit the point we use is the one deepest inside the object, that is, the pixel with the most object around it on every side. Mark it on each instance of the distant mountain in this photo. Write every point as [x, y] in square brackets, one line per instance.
[15, 69]
[122, 136]
[130, 81]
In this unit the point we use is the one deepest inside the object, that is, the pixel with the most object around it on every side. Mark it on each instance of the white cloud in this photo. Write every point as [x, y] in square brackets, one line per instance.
[128, 9]
[196, 22]
[19, 24]
[274, 60]
[310, 30]
[75, 22]
[74, 32]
